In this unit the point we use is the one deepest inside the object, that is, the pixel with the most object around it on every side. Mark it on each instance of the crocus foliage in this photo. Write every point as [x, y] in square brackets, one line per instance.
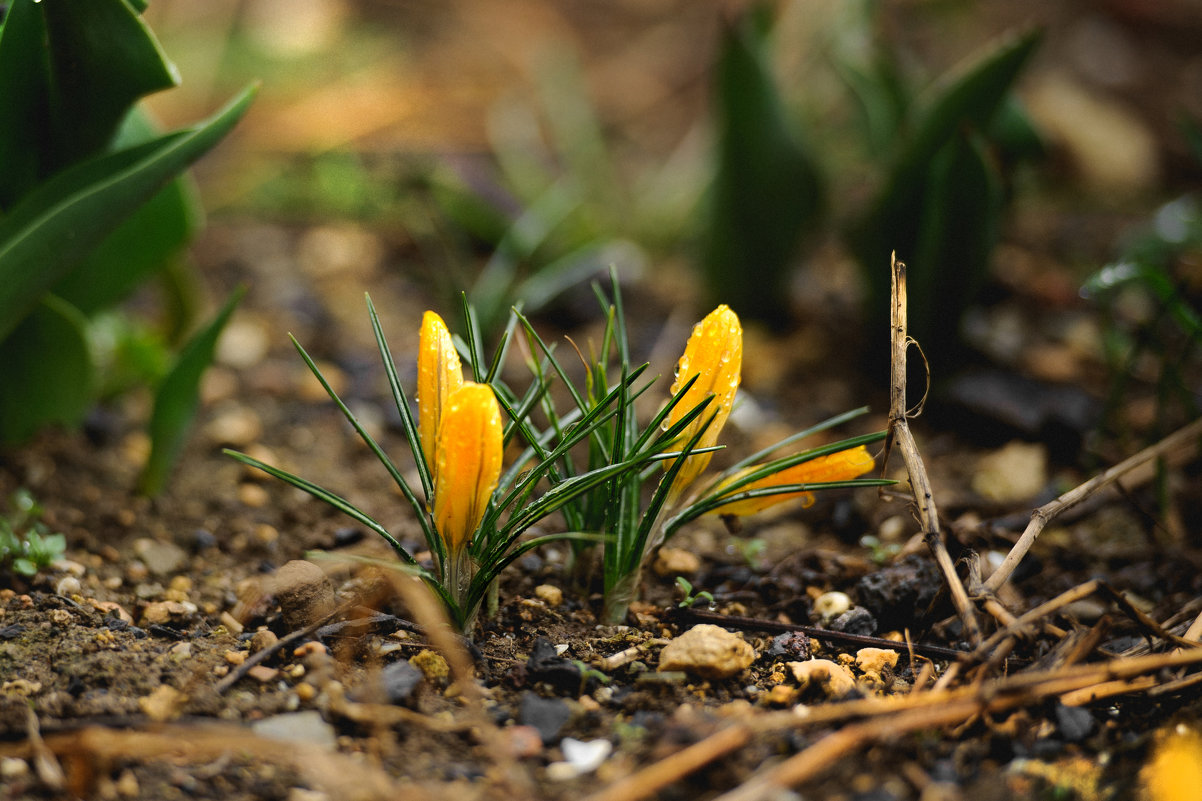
[468, 455]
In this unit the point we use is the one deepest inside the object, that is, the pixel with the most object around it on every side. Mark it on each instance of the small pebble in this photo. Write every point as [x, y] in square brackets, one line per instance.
[675, 562]
[833, 679]
[303, 592]
[549, 594]
[433, 665]
[708, 651]
[792, 645]
[400, 680]
[235, 427]
[127, 784]
[160, 558]
[235, 658]
[523, 742]
[263, 674]
[161, 612]
[162, 704]
[873, 662]
[263, 638]
[830, 605]
[297, 727]
[12, 768]
[180, 651]
[68, 585]
[253, 495]
[546, 715]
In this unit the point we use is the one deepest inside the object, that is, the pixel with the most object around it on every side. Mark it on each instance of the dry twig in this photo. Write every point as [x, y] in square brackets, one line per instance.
[899, 433]
[1187, 436]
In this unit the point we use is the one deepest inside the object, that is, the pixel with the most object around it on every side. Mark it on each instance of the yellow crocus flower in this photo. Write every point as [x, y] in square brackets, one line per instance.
[1174, 773]
[714, 353]
[838, 466]
[439, 375]
[469, 449]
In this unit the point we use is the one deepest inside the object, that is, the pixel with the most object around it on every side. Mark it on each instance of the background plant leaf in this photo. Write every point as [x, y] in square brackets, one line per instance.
[55, 226]
[767, 189]
[48, 372]
[176, 400]
[70, 70]
[142, 245]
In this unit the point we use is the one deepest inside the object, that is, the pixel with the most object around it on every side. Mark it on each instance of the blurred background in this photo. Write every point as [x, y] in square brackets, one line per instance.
[1032, 161]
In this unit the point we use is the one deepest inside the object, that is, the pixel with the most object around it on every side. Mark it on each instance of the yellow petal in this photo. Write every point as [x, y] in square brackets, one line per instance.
[469, 462]
[438, 376]
[1174, 773]
[838, 466]
[714, 353]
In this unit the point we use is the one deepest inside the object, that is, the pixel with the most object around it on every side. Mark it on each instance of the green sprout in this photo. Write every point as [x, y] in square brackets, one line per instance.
[691, 599]
[34, 549]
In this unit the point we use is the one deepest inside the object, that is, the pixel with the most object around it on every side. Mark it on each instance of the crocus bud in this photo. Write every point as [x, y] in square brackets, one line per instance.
[469, 448]
[439, 375]
[714, 353]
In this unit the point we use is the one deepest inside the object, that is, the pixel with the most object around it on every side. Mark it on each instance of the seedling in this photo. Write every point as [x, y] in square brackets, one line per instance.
[34, 548]
[691, 599]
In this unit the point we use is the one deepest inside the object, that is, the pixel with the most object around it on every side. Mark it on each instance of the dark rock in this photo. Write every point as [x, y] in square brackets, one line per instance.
[203, 539]
[856, 620]
[901, 592]
[792, 645]
[11, 631]
[347, 535]
[545, 665]
[997, 406]
[547, 715]
[400, 681]
[1075, 723]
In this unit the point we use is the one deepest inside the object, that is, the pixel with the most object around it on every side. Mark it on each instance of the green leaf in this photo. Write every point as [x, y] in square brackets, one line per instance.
[968, 98]
[24, 114]
[767, 191]
[143, 244]
[71, 71]
[47, 369]
[960, 223]
[176, 400]
[103, 58]
[56, 225]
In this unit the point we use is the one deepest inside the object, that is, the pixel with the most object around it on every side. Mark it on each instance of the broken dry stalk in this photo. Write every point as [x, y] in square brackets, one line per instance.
[1183, 437]
[899, 433]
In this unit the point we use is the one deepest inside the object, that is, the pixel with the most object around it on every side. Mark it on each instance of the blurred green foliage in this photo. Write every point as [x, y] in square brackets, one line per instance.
[93, 206]
[1151, 300]
[768, 191]
[939, 158]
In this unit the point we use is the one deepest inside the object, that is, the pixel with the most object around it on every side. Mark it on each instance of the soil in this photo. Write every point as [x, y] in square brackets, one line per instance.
[124, 668]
